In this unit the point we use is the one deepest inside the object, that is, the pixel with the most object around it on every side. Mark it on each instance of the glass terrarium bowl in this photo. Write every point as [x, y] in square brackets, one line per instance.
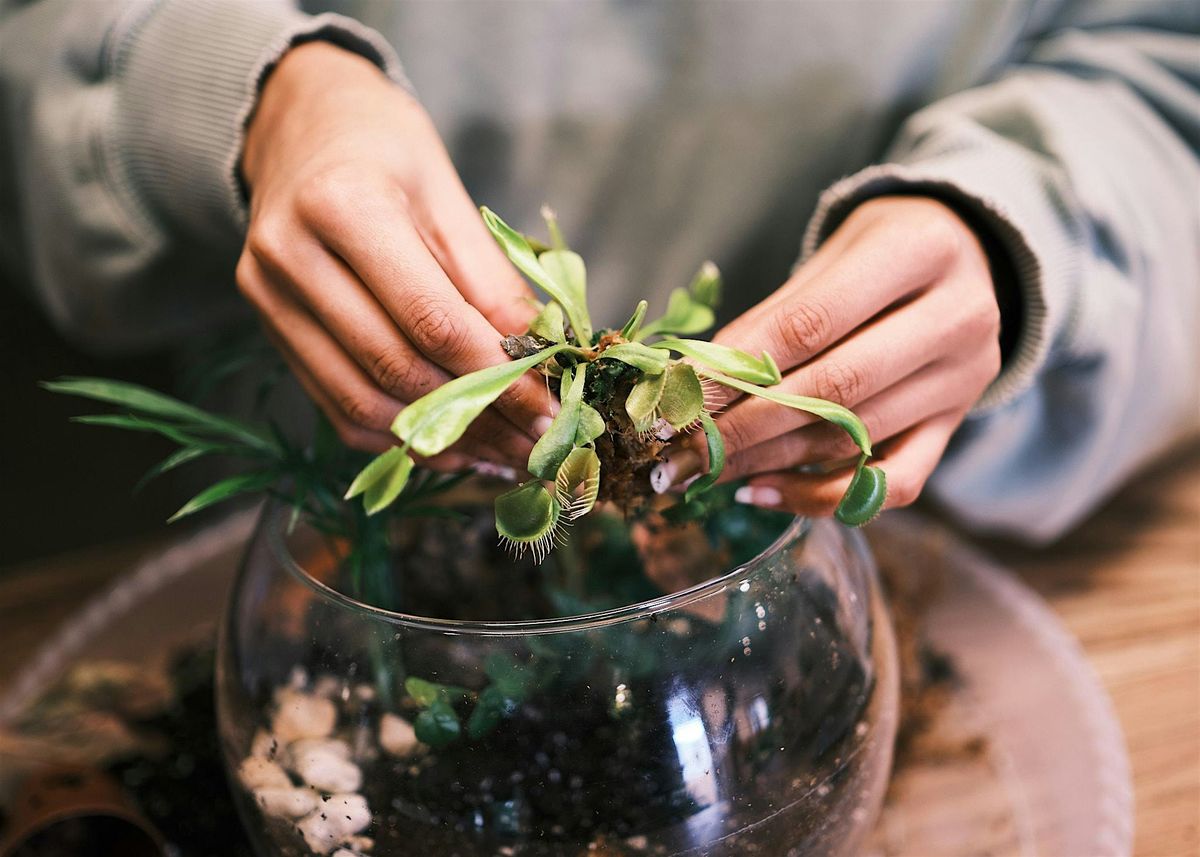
[685, 709]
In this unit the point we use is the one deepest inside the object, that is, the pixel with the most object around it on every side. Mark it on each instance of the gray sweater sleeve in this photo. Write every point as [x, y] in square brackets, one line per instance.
[121, 127]
[1082, 162]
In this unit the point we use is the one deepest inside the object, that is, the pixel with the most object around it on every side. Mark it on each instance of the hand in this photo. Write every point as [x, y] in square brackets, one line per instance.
[895, 317]
[367, 260]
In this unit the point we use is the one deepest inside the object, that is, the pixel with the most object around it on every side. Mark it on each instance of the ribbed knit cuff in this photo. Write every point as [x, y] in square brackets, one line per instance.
[188, 74]
[999, 184]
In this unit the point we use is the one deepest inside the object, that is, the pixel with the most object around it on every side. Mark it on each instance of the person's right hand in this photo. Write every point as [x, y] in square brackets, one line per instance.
[367, 260]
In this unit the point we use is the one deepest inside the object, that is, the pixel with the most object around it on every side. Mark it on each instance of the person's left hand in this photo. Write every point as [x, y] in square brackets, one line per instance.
[895, 317]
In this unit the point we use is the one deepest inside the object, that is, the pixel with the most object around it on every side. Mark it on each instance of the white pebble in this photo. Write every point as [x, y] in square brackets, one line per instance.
[346, 852]
[325, 765]
[333, 821]
[302, 716]
[264, 745]
[359, 843]
[286, 803]
[396, 735]
[320, 746]
[256, 772]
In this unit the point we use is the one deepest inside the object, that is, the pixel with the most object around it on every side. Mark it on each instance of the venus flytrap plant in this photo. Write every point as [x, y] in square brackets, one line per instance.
[618, 392]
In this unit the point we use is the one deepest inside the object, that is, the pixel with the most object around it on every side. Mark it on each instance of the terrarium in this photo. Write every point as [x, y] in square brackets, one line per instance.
[724, 688]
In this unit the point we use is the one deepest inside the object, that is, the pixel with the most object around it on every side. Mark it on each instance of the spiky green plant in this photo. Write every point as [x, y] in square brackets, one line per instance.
[619, 390]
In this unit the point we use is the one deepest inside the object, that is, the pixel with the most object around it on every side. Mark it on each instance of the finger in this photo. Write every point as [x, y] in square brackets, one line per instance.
[936, 389]
[348, 311]
[450, 224]
[867, 266]
[879, 355]
[354, 436]
[376, 237]
[908, 462]
[345, 387]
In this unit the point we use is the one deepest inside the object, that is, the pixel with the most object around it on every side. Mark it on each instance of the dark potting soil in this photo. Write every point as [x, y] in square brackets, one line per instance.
[185, 791]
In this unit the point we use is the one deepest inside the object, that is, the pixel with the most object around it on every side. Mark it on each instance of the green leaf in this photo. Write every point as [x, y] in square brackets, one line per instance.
[840, 416]
[438, 725]
[180, 457]
[706, 286]
[591, 425]
[438, 419]
[631, 328]
[682, 398]
[134, 423]
[243, 483]
[716, 460]
[684, 315]
[377, 469]
[384, 491]
[865, 497]
[493, 706]
[581, 469]
[555, 445]
[521, 254]
[424, 693]
[650, 360]
[509, 677]
[567, 269]
[548, 324]
[528, 516]
[642, 402]
[155, 404]
[557, 242]
[722, 358]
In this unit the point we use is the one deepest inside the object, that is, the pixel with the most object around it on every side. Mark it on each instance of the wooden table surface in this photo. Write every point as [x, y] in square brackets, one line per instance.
[1126, 583]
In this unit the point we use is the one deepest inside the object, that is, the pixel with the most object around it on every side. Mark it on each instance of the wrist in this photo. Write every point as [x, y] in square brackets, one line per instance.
[311, 77]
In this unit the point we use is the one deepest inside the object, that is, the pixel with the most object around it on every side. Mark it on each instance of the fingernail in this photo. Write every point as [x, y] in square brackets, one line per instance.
[758, 495]
[498, 471]
[682, 465]
[541, 425]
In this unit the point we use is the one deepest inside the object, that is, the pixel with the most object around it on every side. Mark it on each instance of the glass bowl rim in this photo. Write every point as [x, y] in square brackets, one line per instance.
[273, 514]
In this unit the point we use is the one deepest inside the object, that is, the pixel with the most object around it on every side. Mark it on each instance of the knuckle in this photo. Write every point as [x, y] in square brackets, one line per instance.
[830, 443]
[267, 240]
[839, 382]
[330, 196]
[397, 372]
[436, 332]
[245, 275]
[362, 413]
[943, 235]
[803, 329]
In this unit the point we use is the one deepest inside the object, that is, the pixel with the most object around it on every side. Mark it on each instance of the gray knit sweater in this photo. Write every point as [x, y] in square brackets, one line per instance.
[666, 133]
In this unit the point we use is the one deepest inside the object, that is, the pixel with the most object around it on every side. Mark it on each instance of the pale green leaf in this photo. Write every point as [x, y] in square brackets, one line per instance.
[243, 483]
[865, 497]
[591, 425]
[722, 358]
[548, 324]
[706, 287]
[580, 471]
[682, 398]
[438, 419]
[842, 417]
[558, 441]
[642, 402]
[567, 269]
[376, 469]
[517, 248]
[716, 460]
[383, 492]
[631, 328]
[650, 360]
[685, 315]
[557, 242]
